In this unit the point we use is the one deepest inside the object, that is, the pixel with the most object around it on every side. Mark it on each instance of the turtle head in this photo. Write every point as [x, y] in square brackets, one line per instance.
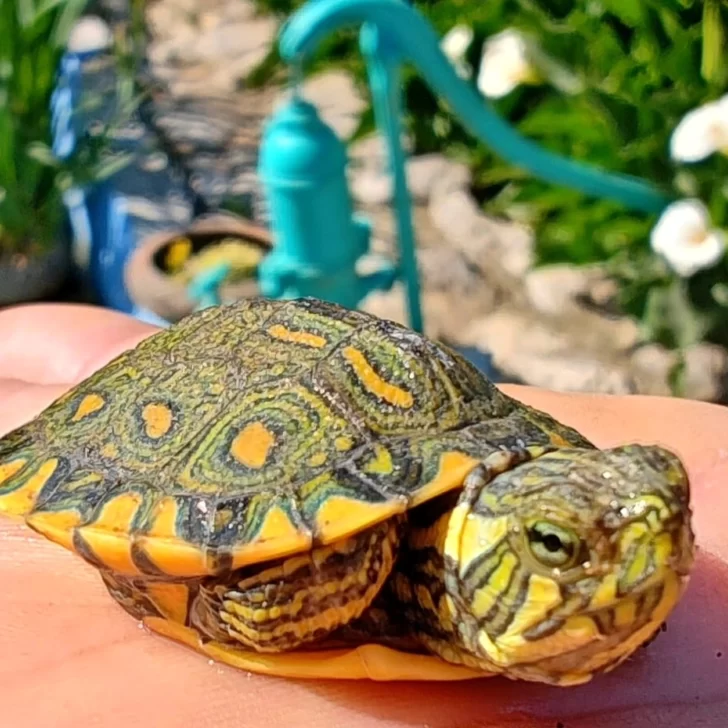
[565, 562]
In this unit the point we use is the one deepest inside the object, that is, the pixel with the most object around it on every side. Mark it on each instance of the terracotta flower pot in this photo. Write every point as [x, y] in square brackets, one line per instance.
[33, 277]
[151, 288]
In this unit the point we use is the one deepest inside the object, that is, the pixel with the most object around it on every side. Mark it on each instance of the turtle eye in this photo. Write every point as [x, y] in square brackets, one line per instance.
[552, 545]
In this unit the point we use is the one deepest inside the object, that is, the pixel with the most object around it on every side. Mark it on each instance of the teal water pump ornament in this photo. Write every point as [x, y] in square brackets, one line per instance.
[319, 242]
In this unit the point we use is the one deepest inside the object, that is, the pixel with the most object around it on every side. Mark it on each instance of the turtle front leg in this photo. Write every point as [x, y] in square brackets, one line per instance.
[302, 599]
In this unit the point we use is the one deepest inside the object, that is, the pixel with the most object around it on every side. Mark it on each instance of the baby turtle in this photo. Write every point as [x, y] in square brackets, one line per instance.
[298, 489]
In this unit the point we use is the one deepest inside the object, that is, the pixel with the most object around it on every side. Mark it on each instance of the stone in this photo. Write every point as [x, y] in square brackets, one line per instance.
[424, 170]
[441, 320]
[650, 365]
[555, 290]
[336, 98]
[205, 134]
[706, 371]
[524, 347]
[372, 184]
[487, 242]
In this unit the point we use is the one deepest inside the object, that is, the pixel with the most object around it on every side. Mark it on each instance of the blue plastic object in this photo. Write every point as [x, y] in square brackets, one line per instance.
[113, 236]
[319, 240]
[102, 230]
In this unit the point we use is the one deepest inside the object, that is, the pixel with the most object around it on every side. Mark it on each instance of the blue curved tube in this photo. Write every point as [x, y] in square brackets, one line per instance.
[417, 42]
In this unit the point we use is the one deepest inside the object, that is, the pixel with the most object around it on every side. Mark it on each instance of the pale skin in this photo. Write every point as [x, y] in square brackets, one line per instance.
[72, 657]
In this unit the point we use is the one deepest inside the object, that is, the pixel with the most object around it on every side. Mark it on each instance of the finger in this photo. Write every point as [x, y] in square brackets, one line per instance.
[61, 343]
[20, 401]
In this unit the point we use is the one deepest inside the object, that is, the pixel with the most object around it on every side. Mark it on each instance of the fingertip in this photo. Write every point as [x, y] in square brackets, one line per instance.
[62, 343]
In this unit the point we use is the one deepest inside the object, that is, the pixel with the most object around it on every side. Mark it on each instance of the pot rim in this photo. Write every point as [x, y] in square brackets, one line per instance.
[150, 288]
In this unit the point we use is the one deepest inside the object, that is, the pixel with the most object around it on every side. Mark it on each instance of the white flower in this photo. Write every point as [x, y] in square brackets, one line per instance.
[684, 237]
[455, 45]
[505, 64]
[701, 132]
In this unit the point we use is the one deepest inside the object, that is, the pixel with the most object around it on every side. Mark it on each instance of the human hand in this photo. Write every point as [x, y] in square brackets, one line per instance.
[72, 657]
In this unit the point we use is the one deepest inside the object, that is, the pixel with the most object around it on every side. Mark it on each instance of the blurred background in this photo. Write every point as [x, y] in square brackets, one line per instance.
[130, 177]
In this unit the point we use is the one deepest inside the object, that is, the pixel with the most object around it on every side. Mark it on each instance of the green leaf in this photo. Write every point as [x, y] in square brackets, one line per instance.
[630, 12]
[26, 12]
[112, 165]
[712, 67]
[70, 13]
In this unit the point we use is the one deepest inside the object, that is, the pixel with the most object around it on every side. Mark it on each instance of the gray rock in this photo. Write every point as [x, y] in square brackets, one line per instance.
[491, 244]
[650, 365]
[203, 134]
[372, 184]
[705, 374]
[442, 319]
[554, 290]
[524, 347]
[336, 98]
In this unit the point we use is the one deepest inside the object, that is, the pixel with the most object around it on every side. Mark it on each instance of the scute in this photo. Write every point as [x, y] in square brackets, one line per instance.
[248, 432]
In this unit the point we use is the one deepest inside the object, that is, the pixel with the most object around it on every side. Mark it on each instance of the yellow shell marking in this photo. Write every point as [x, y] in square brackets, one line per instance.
[108, 535]
[277, 537]
[165, 549]
[89, 404]
[374, 383]
[340, 516]
[20, 501]
[109, 450]
[454, 468]
[56, 526]
[158, 419]
[343, 443]
[7, 470]
[317, 459]
[170, 599]
[252, 445]
[297, 337]
[381, 463]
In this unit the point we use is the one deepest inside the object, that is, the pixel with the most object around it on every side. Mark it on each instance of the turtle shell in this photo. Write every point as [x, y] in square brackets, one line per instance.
[250, 432]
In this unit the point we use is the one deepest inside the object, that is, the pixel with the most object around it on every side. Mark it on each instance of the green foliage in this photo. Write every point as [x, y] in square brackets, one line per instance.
[640, 68]
[34, 37]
